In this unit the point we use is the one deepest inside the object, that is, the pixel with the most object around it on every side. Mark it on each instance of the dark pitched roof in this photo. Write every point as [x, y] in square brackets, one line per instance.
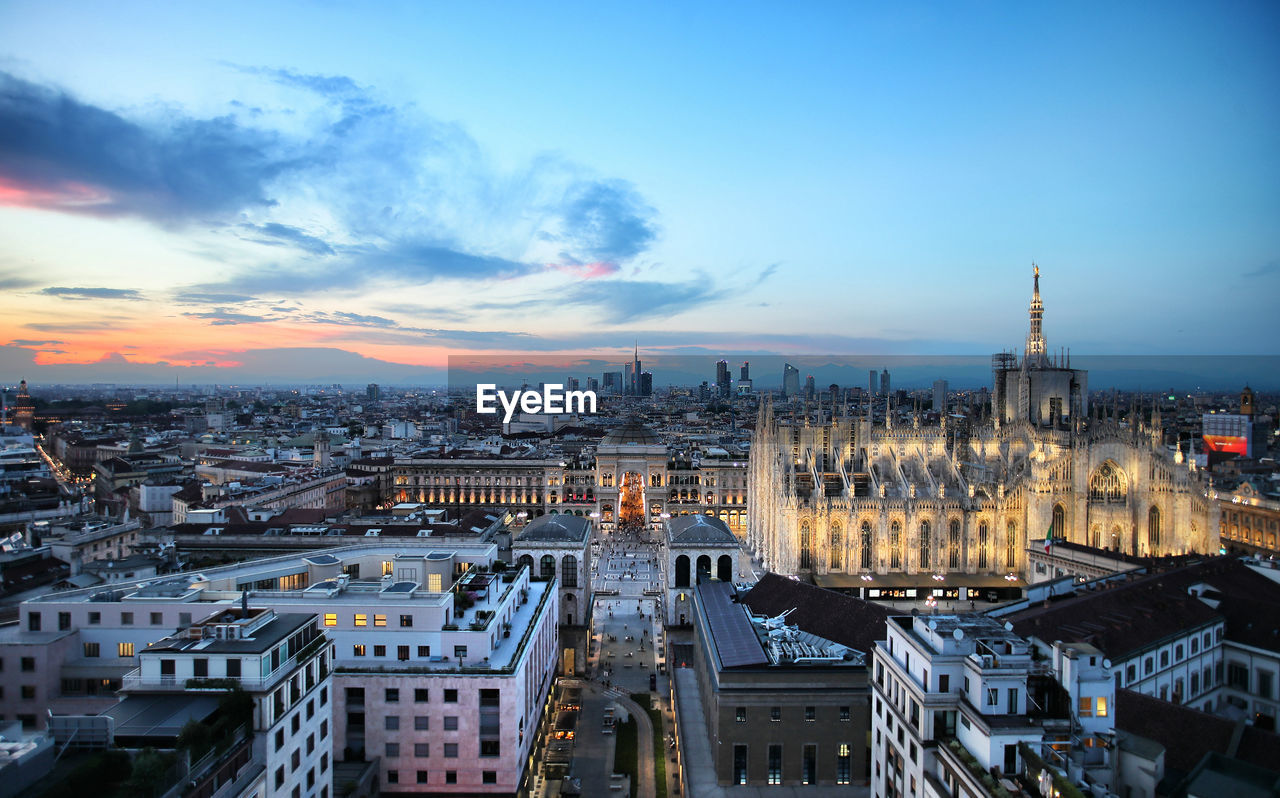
[559, 528]
[1125, 617]
[839, 618]
[698, 528]
[1167, 723]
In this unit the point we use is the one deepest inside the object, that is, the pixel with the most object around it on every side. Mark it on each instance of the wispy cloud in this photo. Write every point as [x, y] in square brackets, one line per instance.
[1265, 270]
[11, 281]
[280, 235]
[92, 293]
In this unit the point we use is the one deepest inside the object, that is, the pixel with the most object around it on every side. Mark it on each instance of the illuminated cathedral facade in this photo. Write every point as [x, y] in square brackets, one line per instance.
[844, 495]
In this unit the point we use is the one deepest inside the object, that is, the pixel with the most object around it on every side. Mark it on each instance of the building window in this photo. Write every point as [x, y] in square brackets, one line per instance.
[391, 722]
[810, 714]
[926, 545]
[331, 619]
[33, 622]
[95, 618]
[984, 545]
[424, 651]
[422, 777]
[844, 764]
[1011, 546]
[361, 619]
[157, 619]
[64, 621]
[91, 649]
[806, 546]
[421, 723]
[422, 750]
[406, 621]
[392, 750]
[775, 713]
[379, 651]
[569, 571]
[421, 695]
[739, 764]
[392, 695]
[809, 765]
[450, 750]
[895, 546]
[775, 764]
[28, 664]
[450, 696]
[864, 546]
[124, 649]
[379, 620]
[489, 776]
[357, 650]
[844, 713]
[450, 722]
[740, 714]
[451, 777]
[1102, 706]
[402, 653]
[393, 777]
[1086, 706]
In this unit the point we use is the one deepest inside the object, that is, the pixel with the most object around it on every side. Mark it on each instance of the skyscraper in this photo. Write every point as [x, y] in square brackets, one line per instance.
[810, 388]
[635, 372]
[884, 382]
[790, 381]
[722, 378]
[372, 392]
[745, 372]
[873, 383]
[644, 387]
[940, 396]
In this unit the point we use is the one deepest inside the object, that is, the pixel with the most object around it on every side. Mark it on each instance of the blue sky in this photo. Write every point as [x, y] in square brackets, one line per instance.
[181, 186]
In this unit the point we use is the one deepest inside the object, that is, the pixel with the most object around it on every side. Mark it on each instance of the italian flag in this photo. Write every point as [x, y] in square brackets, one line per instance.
[1048, 539]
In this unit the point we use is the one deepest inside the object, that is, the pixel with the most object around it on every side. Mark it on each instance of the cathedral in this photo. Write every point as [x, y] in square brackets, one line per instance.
[836, 498]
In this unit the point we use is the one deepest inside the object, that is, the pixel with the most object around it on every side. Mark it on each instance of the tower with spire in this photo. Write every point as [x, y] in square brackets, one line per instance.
[1037, 388]
[1035, 336]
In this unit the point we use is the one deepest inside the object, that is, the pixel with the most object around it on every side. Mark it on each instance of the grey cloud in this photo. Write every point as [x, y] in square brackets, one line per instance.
[52, 142]
[30, 342]
[221, 317]
[92, 293]
[10, 281]
[1265, 270]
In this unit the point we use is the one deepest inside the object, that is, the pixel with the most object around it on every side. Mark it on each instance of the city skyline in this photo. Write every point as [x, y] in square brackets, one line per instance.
[190, 194]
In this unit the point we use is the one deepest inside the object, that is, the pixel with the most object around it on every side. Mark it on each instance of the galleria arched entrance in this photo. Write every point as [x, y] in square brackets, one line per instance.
[631, 500]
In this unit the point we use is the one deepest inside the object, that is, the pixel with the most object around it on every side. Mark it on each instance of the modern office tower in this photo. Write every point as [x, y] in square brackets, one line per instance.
[810, 387]
[645, 386]
[884, 382]
[790, 381]
[745, 372]
[372, 392]
[722, 379]
[940, 396]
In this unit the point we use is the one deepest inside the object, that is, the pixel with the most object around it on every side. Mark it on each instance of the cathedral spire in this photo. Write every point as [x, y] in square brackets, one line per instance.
[1035, 337]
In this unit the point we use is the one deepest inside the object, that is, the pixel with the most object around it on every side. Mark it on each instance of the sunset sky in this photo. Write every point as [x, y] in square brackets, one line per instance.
[244, 189]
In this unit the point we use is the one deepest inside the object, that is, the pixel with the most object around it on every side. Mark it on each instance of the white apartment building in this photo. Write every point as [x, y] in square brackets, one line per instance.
[442, 658]
[953, 697]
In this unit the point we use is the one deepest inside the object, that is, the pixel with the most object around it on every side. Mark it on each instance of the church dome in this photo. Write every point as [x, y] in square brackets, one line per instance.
[633, 432]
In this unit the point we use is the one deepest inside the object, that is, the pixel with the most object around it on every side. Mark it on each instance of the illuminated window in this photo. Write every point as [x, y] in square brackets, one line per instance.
[434, 583]
[362, 619]
[1086, 706]
[331, 619]
[358, 650]
[379, 620]
[1102, 706]
[386, 567]
[124, 650]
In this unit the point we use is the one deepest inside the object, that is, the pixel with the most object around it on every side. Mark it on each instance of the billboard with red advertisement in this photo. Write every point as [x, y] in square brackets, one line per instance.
[1227, 433]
